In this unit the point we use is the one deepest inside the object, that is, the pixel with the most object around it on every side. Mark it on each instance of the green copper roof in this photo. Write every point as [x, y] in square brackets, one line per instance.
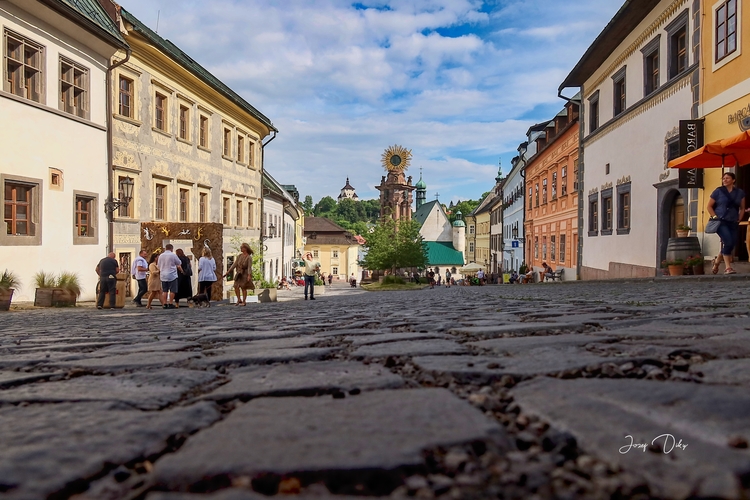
[421, 184]
[441, 253]
[95, 14]
[202, 73]
[459, 223]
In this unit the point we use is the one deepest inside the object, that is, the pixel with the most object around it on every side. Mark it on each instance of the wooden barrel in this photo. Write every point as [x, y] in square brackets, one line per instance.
[682, 248]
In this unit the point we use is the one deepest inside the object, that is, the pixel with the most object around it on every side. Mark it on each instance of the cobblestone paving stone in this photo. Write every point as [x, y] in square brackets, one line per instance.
[481, 392]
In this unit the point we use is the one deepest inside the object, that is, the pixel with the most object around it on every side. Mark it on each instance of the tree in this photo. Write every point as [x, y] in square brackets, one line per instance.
[308, 205]
[466, 207]
[325, 207]
[394, 245]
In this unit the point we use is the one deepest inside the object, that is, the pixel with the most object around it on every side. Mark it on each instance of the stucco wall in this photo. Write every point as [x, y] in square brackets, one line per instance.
[436, 226]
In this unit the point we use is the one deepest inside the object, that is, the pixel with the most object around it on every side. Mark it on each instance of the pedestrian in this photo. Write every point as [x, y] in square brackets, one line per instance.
[480, 276]
[169, 265]
[431, 278]
[107, 269]
[139, 271]
[243, 279]
[311, 269]
[206, 272]
[184, 279]
[330, 279]
[447, 278]
[154, 281]
[439, 279]
[727, 204]
[513, 277]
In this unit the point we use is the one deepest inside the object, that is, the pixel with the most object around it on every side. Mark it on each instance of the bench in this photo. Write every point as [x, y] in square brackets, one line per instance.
[556, 275]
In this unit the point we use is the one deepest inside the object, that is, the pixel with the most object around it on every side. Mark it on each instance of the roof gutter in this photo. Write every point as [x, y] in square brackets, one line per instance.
[262, 205]
[110, 148]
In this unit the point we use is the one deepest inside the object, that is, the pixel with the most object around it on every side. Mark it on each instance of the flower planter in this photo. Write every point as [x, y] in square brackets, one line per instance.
[698, 270]
[5, 298]
[682, 234]
[676, 270]
[54, 297]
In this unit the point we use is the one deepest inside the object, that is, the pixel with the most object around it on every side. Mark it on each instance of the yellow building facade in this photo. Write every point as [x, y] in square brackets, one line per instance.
[724, 94]
[336, 249]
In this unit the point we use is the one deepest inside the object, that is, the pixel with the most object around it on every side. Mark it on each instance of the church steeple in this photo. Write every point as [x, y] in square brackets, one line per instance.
[421, 190]
[499, 177]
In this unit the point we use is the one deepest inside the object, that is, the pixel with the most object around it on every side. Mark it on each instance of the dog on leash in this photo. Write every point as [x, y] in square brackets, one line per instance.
[200, 300]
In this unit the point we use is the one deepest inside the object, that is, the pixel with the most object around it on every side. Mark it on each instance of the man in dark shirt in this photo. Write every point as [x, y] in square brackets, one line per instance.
[107, 270]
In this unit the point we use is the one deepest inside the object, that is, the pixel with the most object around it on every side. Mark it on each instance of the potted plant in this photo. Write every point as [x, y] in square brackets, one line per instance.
[676, 267]
[56, 291]
[8, 283]
[683, 231]
[695, 263]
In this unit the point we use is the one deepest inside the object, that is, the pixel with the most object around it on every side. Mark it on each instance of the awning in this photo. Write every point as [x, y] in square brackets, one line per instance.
[731, 152]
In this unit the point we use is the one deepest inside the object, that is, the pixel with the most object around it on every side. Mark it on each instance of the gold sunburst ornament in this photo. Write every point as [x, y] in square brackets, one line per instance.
[396, 158]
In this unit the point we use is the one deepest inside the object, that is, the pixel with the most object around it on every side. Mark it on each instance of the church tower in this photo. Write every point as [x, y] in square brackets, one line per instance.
[395, 189]
[348, 192]
[421, 191]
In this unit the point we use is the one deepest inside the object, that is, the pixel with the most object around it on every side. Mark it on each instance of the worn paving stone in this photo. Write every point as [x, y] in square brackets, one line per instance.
[250, 355]
[10, 379]
[129, 362]
[145, 390]
[517, 345]
[525, 328]
[724, 371]
[393, 337]
[382, 430]
[730, 346]
[157, 346]
[410, 348]
[238, 494]
[663, 330]
[601, 413]
[305, 379]
[47, 447]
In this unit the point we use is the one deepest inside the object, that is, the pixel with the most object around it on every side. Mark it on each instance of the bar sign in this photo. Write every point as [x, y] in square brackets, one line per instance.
[691, 138]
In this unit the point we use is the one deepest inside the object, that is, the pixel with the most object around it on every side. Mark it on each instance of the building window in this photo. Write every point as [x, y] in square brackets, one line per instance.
[607, 212]
[160, 112]
[122, 210]
[251, 146]
[562, 249]
[673, 149]
[18, 209]
[544, 248]
[227, 141]
[471, 247]
[160, 202]
[531, 198]
[575, 176]
[74, 85]
[315, 254]
[225, 212]
[334, 254]
[126, 97]
[184, 204]
[726, 29]
[203, 131]
[554, 185]
[83, 216]
[471, 229]
[184, 123]
[563, 181]
[334, 270]
[619, 91]
[239, 212]
[240, 149]
[623, 208]
[24, 63]
[250, 214]
[552, 248]
[544, 191]
[594, 214]
[594, 112]
[651, 66]
[536, 194]
[536, 247]
[202, 206]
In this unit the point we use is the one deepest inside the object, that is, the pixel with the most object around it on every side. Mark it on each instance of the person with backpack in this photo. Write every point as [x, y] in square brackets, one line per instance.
[727, 204]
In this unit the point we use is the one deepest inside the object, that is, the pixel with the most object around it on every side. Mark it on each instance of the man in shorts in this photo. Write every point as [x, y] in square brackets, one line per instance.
[169, 264]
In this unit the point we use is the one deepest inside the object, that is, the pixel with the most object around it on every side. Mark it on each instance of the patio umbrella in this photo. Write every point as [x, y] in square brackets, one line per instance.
[471, 268]
[730, 152]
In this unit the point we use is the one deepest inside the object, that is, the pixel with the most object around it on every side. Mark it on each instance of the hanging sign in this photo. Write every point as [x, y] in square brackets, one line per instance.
[691, 138]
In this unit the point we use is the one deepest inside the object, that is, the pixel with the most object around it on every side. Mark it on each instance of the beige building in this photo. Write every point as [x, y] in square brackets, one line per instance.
[193, 147]
[483, 224]
[53, 166]
[332, 246]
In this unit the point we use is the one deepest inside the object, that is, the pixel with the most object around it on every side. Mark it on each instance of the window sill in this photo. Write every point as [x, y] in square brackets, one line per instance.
[129, 120]
[184, 141]
[162, 132]
[241, 163]
[203, 148]
[127, 220]
[625, 230]
[593, 233]
[228, 158]
[85, 240]
[606, 232]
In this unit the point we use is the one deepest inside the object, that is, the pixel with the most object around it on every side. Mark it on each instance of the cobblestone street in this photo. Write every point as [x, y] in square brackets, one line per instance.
[573, 390]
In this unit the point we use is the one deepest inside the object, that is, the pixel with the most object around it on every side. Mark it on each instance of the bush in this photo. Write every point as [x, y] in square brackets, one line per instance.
[9, 280]
[393, 280]
[67, 281]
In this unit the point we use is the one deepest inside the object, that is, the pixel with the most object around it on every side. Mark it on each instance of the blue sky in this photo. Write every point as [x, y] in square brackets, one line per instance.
[456, 81]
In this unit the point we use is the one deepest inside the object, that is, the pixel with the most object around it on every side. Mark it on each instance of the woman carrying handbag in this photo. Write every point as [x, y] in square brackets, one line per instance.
[727, 206]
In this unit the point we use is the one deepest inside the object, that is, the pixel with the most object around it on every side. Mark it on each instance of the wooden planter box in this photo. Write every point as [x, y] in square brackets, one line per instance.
[54, 297]
[5, 298]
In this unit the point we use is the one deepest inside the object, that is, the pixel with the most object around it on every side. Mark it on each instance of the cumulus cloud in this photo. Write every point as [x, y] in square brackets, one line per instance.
[457, 81]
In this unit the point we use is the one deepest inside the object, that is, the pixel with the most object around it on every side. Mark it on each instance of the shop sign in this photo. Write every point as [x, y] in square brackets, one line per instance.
[742, 117]
[691, 138]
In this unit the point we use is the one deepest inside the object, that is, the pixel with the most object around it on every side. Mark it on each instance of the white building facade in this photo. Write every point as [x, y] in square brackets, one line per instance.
[513, 215]
[53, 166]
[637, 85]
[280, 213]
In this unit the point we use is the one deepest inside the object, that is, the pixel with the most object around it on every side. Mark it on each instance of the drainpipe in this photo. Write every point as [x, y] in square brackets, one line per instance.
[110, 147]
[262, 170]
[581, 131]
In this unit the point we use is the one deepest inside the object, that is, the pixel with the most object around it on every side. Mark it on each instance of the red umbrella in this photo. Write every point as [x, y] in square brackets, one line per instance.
[731, 152]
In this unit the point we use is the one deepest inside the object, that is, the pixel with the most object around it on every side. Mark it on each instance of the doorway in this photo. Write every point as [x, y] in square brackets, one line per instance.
[676, 214]
[743, 182]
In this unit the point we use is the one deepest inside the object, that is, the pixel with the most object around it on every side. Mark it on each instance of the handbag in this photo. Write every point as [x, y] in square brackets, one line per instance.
[712, 226]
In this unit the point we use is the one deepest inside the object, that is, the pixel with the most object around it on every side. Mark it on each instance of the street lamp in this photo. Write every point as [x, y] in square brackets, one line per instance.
[271, 232]
[126, 191]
